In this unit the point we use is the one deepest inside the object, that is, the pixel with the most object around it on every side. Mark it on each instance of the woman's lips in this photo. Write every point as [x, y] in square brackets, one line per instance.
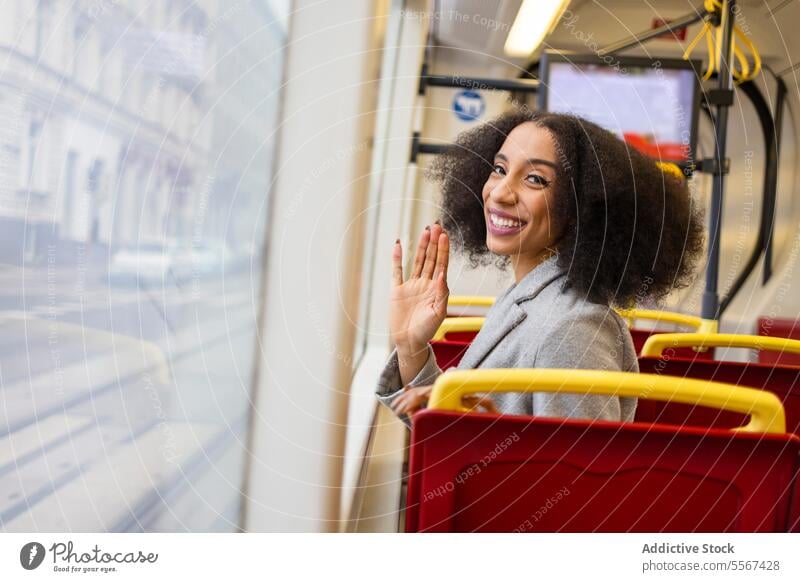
[502, 230]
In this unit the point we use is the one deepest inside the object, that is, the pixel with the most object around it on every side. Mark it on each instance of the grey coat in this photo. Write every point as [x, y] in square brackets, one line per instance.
[538, 324]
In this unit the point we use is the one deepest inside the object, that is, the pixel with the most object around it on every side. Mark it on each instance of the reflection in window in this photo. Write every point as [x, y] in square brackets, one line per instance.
[34, 131]
[134, 166]
[44, 10]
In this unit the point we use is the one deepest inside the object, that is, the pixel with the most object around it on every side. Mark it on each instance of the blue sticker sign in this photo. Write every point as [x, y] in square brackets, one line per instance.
[468, 105]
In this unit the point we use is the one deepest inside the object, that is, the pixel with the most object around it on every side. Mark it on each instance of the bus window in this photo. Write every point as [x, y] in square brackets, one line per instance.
[136, 160]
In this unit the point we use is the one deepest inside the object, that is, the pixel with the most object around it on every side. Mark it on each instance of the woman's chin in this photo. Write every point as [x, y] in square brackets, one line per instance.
[500, 247]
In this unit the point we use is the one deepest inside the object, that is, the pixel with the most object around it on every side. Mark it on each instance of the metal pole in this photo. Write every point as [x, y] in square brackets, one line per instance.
[768, 193]
[710, 308]
[769, 211]
[477, 83]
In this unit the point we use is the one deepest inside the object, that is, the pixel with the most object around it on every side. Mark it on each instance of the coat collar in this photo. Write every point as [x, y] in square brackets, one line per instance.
[537, 279]
[506, 313]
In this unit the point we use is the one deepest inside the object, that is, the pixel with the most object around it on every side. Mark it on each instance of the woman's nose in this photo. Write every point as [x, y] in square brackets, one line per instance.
[503, 193]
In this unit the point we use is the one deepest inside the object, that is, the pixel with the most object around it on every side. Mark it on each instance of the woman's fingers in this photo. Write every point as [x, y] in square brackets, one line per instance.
[422, 248]
[431, 253]
[405, 403]
[411, 400]
[443, 253]
[474, 402]
[442, 294]
[489, 405]
[399, 402]
[397, 263]
[440, 276]
[470, 402]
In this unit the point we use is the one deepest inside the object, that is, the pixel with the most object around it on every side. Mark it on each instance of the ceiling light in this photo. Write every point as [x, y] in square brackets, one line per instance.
[535, 20]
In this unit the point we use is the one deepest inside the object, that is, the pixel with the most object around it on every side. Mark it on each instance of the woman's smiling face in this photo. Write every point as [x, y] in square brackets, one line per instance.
[517, 197]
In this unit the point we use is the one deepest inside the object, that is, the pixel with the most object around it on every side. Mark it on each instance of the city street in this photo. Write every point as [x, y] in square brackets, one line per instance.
[140, 394]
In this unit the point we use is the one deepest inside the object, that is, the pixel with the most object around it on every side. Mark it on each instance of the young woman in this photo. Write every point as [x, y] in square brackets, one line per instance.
[585, 221]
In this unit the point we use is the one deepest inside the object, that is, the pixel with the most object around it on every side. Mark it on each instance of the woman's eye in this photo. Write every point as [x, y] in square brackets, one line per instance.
[537, 180]
[498, 169]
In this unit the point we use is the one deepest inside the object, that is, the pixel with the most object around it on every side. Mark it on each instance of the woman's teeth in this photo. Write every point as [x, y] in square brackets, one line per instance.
[504, 222]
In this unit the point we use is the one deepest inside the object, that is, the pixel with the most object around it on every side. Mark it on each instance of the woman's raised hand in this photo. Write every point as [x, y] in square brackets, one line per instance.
[419, 304]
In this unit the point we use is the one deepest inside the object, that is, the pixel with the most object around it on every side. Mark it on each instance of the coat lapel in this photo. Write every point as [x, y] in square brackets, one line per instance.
[507, 313]
[497, 326]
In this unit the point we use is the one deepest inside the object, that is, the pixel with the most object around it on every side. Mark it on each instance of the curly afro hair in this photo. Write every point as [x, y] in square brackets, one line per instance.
[630, 230]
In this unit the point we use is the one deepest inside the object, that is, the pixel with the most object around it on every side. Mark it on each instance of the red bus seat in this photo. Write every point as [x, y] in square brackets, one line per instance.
[456, 333]
[450, 350]
[783, 381]
[779, 327]
[449, 353]
[453, 338]
[492, 473]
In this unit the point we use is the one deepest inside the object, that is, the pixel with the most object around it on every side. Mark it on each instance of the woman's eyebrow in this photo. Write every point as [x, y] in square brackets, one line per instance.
[530, 161]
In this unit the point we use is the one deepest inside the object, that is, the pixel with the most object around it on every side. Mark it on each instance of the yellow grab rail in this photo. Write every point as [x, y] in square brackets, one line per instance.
[458, 324]
[475, 323]
[656, 344]
[765, 409]
[470, 301]
[665, 316]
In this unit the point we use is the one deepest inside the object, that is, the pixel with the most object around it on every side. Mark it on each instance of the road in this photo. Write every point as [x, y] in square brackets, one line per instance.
[123, 407]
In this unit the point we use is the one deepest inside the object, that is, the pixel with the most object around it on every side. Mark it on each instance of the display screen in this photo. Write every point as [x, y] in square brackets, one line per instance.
[651, 108]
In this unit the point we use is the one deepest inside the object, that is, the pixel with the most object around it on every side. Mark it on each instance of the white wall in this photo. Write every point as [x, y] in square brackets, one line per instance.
[389, 215]
[311, 285]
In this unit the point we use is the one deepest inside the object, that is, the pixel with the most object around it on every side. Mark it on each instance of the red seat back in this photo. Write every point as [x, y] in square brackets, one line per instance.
[448, 353]
[490, 473]
[450, 350]
[788, 328]
[460, 336]
[783, 381]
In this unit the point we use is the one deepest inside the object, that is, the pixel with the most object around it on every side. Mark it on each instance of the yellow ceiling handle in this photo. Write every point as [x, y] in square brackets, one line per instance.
[705, 31]
[741, 73]
[656, 344]
[712, 54]
[753, 50]
[470, 301]
[458, 324]
[663, 316]
[693, 43]
[765, 409]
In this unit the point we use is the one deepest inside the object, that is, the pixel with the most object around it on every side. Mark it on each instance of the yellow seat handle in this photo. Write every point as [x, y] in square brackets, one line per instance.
[458, 324]
[475, 323]
[470, 301]
[691, 321]
[765, 409]
[672, 169]
[656, 344]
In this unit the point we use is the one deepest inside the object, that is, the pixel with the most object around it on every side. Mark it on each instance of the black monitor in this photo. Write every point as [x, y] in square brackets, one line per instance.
[652, 104]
